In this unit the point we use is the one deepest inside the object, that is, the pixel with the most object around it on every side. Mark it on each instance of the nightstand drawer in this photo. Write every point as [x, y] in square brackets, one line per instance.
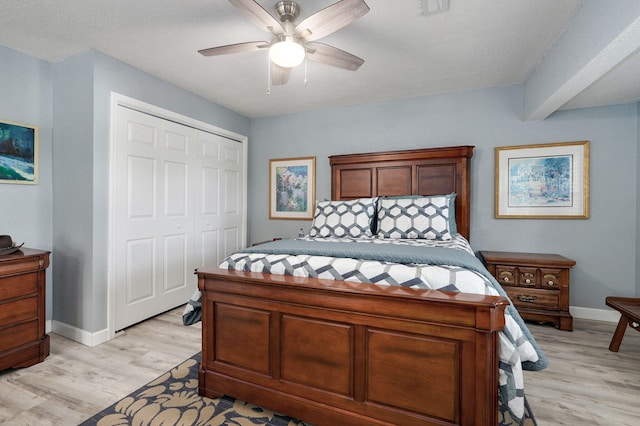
[506, 275]
[523, 276]
[533, 298]
[551, 278]
[528, 277]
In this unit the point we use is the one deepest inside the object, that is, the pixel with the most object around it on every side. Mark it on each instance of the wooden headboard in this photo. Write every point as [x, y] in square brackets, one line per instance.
[430, 171]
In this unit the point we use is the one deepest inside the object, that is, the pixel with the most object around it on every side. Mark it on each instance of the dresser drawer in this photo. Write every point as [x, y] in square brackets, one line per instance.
[18, 311]
[18, 285]
[533, 298]
[20, 266]
[21, 334]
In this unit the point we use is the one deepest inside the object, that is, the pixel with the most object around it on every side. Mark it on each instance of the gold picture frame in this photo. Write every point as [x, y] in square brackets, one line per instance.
[292, 184]
[543, 181]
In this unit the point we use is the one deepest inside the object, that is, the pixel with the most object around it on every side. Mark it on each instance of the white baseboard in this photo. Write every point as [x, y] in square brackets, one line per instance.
[608, 315]
[79, 335]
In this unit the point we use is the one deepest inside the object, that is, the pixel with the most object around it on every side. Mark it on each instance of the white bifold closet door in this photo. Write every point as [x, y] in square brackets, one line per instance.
[178, 206]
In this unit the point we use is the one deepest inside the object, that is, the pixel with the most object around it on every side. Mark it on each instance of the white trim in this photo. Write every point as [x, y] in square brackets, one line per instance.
[608, 315]
[117, 100]
[79, 335]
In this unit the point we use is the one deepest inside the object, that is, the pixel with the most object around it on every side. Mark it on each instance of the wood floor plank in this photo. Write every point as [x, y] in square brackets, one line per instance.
[585, 383]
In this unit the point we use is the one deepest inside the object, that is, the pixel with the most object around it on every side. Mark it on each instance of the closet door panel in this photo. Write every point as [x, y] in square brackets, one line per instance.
[153, 233]
[178, 205]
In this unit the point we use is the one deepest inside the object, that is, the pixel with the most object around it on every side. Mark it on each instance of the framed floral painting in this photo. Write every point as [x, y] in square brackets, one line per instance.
[292, 188]
[542, 181]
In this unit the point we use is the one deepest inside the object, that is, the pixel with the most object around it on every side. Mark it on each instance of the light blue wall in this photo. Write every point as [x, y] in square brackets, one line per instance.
[25, 97]
[82, 89]
[72, 188]
[486, 119]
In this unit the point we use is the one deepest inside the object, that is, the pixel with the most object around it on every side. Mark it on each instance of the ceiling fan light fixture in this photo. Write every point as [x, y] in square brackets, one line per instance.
[287, 53]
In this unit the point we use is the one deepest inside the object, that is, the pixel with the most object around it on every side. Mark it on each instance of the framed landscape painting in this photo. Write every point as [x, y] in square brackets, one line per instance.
[542, 181]
[292, 188]
[18, 153]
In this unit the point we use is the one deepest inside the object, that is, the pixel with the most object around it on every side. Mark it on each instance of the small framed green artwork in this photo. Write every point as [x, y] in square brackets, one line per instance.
[18, 153]
[292, 184]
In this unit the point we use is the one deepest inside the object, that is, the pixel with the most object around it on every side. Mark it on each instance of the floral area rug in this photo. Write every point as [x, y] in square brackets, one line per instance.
[172, 399]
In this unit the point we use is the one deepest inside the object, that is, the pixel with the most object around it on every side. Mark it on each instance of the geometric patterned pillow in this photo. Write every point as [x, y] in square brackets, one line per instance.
[453, 228]
[351, 218]
[422, 217]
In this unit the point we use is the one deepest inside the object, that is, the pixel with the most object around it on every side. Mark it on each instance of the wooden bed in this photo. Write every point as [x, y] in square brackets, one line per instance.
[338, 353]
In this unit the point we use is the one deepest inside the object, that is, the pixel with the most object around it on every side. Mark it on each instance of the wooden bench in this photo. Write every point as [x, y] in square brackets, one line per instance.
[629, 309]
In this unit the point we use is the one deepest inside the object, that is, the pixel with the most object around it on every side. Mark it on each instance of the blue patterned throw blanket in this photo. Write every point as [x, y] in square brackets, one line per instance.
[425, 264]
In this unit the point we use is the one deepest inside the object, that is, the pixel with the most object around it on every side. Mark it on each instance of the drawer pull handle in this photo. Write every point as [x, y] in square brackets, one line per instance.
[526, 298]
[528, 281]
[505, 279]
[550, 282]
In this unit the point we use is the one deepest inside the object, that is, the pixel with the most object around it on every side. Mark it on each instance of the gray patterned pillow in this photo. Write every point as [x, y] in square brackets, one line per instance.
[343, 218]
[424, 217]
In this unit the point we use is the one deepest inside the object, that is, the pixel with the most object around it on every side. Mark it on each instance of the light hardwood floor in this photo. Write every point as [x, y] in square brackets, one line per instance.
[585, 384]
[76, 381]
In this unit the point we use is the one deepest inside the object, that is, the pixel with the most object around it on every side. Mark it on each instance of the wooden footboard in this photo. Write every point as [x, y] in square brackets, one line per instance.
[333, 352]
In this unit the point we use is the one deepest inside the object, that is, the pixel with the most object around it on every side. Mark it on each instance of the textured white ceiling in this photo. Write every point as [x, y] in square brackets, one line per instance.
[476, 44]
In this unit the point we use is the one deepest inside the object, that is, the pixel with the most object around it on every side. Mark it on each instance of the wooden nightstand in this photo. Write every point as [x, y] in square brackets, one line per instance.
[538, 284]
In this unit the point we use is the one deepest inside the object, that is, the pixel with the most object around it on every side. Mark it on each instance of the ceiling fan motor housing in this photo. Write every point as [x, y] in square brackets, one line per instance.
[287, 10]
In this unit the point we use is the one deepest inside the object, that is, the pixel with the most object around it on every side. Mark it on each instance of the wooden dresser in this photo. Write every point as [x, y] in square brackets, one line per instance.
[23, 340]
[538, 284]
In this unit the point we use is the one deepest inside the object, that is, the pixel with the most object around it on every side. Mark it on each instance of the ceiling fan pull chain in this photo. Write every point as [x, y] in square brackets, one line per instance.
[268, 75]
[305, 70]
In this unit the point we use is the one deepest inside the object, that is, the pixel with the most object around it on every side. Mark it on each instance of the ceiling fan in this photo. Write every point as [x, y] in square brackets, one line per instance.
[291, 43]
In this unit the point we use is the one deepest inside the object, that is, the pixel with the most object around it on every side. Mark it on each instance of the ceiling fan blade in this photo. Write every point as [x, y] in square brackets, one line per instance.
[333, 56]
[258, 15]
[250, 46]
[331, 19]
[279, 75]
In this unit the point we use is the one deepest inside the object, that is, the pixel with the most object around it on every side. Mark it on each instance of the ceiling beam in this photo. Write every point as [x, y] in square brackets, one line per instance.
[600, 36]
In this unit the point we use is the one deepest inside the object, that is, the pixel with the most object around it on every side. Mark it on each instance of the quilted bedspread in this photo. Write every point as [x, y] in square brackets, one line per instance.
[429, 264]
